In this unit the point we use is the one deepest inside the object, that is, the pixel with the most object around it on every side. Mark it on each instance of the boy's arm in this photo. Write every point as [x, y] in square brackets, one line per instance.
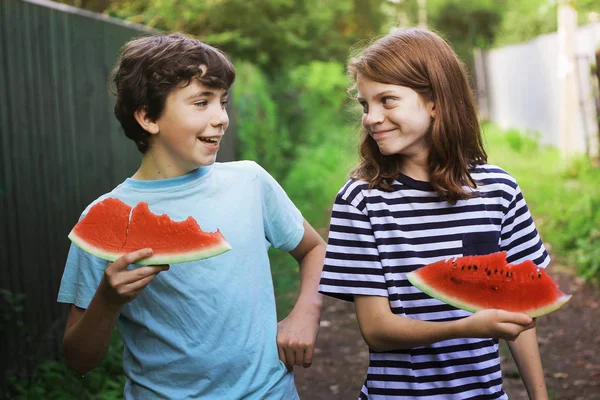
[526, 352]
[383, 330]
[296, 334]
[88, 331]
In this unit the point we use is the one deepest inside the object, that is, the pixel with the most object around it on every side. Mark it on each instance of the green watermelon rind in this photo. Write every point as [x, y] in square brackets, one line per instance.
[417, 282]
[172, 258]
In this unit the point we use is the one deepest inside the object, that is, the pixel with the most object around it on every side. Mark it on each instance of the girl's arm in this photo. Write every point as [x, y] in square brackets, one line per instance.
[525, 351]
[383, 330]
[296, 334]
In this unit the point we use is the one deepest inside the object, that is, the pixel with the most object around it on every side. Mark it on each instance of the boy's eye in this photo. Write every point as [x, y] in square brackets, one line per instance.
[201, 103]
[224, 103]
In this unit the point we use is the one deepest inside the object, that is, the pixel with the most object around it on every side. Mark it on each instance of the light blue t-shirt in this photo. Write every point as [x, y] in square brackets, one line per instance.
[204, 329]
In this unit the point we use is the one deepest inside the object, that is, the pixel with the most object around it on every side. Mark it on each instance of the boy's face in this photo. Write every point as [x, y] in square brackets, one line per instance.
[191, 127]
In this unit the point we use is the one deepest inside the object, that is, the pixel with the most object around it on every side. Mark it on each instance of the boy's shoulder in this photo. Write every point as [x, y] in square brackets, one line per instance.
[241, 169]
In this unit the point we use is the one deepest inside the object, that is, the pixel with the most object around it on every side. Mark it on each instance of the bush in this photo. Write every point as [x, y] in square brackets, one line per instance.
[53, 380]
[278, 115]
[563, 196]
[522, 142]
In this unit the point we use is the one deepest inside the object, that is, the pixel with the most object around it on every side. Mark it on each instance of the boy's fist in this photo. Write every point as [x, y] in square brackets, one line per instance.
[120, 285]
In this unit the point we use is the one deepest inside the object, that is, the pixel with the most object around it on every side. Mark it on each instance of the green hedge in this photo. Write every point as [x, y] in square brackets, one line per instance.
[563, 195]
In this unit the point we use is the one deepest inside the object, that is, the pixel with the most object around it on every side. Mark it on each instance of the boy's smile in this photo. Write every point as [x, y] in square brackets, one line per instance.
[188, 133]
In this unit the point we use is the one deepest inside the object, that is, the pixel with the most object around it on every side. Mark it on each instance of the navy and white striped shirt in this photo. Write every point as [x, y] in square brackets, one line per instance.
[377, 237]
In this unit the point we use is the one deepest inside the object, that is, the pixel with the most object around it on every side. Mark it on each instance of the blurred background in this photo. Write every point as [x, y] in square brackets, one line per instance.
[534, 69]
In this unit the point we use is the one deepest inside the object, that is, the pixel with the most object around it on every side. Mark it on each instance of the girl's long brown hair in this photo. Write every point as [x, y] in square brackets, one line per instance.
[423, 61]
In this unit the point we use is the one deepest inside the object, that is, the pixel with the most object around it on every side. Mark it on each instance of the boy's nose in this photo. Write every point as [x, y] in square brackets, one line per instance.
[221, 118]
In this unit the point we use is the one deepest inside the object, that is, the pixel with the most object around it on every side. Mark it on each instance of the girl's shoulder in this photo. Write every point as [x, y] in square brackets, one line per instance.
[354, 188]
[490, 173]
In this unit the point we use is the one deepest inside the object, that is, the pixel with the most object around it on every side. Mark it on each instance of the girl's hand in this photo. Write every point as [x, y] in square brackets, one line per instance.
[119, 285]
[498, 324]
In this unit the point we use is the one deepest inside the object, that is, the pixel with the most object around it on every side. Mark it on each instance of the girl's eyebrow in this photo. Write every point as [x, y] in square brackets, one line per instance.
[380, 95]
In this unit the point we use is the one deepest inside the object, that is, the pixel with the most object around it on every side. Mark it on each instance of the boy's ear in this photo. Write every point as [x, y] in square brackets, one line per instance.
[149, 125]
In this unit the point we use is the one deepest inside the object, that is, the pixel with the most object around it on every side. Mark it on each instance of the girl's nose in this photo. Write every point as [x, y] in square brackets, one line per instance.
[373, 117]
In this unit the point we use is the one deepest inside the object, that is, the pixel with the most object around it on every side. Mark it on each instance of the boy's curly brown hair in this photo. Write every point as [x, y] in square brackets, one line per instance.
[149, 68]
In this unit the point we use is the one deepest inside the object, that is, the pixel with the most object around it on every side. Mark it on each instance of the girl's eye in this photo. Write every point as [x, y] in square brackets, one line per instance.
[365, 107]
[388, 100]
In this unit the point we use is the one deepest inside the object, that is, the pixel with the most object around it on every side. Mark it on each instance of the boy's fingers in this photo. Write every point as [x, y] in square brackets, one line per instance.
[123, 262]
[143, 272]
[139, 284]
[290, 357]
[283, 358]
[308, 355]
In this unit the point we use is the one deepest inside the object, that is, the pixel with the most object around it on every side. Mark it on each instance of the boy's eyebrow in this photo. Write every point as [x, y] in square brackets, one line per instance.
[206, 93]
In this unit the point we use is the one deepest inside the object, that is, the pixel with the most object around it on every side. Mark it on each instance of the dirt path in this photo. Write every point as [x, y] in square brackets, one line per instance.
[569, 343]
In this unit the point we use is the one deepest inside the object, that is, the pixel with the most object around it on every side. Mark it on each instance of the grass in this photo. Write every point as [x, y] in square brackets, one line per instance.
[562, 195]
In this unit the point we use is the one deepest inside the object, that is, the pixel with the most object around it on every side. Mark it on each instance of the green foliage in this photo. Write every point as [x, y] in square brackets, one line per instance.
[523, 20]
[272, 34]
[562, 195]
[11, 313]
[275, 118]
[466, 24]
[522, 142]
[259, 132]
[53, 380]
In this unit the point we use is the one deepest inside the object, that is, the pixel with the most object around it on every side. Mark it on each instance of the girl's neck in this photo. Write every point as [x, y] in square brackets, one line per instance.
[415, 168]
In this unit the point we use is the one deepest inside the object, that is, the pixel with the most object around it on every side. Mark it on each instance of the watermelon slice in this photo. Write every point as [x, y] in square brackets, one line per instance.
[108, 232]
[473, 283]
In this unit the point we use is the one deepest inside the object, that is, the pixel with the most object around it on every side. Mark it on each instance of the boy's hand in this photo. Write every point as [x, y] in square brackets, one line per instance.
[120, 285]
[498, 324]
[296, 337]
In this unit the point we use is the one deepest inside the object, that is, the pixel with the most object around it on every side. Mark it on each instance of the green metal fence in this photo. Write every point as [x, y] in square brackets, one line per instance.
[60, 148]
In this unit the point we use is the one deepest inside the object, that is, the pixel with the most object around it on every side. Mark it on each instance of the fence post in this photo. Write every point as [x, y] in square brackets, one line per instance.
[568, 108]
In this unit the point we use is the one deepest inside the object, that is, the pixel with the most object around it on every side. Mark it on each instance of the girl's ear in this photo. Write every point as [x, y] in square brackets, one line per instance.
[149, 125]
[432, 110]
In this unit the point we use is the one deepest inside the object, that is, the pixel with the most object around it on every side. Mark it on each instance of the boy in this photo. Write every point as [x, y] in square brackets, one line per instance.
[204, 329]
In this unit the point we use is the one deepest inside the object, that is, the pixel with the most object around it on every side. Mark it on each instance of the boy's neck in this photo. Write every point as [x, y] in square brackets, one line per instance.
[152, 168]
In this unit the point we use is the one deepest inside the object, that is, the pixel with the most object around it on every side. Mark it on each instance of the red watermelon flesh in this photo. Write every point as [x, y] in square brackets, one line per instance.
[474, 283]
[108, 232]
[182, 241]
[96, 236]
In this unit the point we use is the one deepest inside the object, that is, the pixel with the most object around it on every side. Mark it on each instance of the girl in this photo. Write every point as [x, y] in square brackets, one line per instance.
[423, 192]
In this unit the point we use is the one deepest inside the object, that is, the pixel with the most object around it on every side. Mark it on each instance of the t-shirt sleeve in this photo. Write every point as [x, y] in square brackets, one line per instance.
[352, 263]
[81, 277]
[519, 236]
[283, 222]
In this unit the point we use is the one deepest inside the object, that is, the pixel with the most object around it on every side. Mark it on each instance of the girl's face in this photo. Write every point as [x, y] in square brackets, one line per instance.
[396, 117]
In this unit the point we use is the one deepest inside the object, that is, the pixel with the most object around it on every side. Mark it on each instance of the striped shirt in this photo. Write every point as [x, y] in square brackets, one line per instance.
[376, 237]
